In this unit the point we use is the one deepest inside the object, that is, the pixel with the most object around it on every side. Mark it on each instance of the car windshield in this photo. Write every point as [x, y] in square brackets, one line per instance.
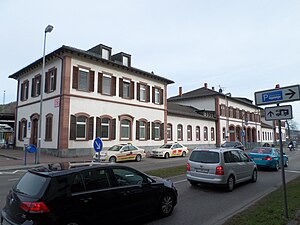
[229, 144]
[115, 148]
[25, 185]
[166, 146]
[262, 150]
[205, 157]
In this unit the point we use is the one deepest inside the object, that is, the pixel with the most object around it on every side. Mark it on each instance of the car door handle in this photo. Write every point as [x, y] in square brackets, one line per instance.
[86, 199]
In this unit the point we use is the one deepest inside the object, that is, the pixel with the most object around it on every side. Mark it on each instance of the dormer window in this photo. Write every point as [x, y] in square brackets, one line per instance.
[125, 61]
[105, 54]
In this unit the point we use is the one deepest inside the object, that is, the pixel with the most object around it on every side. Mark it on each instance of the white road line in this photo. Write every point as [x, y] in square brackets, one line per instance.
[12, 172]
[15, 179]
[293, 171]
[180, 181]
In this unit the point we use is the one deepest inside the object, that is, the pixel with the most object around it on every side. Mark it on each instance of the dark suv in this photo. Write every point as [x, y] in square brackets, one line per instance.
[61, 195]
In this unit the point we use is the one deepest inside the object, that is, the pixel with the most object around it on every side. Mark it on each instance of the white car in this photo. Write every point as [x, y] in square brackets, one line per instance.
[170, 150]
[121, 152]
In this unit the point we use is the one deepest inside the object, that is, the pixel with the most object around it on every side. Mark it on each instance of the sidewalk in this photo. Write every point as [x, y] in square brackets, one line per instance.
[15, 159]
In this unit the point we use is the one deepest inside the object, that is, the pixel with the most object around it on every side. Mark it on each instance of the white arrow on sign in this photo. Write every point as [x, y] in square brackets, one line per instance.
[279, 113]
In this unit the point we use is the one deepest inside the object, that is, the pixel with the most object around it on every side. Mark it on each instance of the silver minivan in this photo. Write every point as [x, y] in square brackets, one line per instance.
[220, 166]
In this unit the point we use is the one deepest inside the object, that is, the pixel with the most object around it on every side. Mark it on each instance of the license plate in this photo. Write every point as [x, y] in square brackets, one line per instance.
[202, 170]
[257, 158]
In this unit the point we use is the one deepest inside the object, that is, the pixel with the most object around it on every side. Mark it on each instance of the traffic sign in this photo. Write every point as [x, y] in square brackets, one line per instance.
[279, 113]
[98, 144]
[273, 96]
[31, 148]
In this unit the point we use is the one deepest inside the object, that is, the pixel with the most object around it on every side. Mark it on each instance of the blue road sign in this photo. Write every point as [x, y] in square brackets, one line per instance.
[98, 144]
[243, 133]
[31, 148]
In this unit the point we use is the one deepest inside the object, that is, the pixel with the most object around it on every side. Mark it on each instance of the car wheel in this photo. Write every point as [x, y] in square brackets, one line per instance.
[286, 164]
[193, 183]
[276, 168]
[138, 158]
[166, 205]
[112, 159]
[183, 154]
[254, 176]
[230, 183]
[167, 155]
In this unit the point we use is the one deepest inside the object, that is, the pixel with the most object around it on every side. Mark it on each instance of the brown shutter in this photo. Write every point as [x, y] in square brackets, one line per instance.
[138, 87]
[25, 132]
[132, 89]
[54, 82]
[113, 86]
[161, 95]
[27, 90]
[121, 87]
[92, 76]
[75, 77]
[113, 129]
[153, 130]
[98, 127]
[46, 82]
[137, 130]
[148, 130]
[153, 94]
[100, 79]
[73, 128]
[33, 87]
[147, 93]
[162, 137]
[22, 91]
[91, 128]
[19, 131]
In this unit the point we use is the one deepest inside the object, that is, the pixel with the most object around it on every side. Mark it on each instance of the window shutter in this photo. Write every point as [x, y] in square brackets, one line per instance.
[100, 78]
[113, 86]
[75, 77]
[153, 130]
[27, 84]
[162, 136]
[92, 76]
[98, 127]
[132, 89]
[32, 87]
[153, 94]
[148, 93]
[138, 87]
[121, 87]
[137, 130]
[25, 130]
[148, 131]
[113, 129]
[54, 82]
[161, 95]
[91, 128]
[22, 91]
[73, 128]
[19, 131]
[46, 82]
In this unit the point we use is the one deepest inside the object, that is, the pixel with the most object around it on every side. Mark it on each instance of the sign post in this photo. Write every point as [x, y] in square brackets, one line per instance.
[98, 145]
[277, 96]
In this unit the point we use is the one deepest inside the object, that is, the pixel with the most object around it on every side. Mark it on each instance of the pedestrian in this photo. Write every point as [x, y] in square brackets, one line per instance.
[291, 146]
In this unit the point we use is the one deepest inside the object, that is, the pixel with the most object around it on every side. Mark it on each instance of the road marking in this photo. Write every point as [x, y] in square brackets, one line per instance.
[15, 179]
[180, 181]
[12, 172]
[293, 171]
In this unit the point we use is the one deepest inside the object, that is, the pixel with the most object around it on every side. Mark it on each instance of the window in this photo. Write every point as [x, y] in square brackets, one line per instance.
[223, 134]
[157, 95]
[179, 132]
[125, 129]
[95, 179]
[36, 86]
[127, 176]
[105, 54]
[24, 90]
[197, 133]
[125, 61]
[83, 79]
[105, 128]
[258, 135]
[142, 92]
[49, 121]
[142, 130]
[205, 131]
[212, 134]
[189, 132]
[50, 80]
[106, 84]
[81, 127]
[22, 129]
[169, 132]
[156, 131]
[126, 89]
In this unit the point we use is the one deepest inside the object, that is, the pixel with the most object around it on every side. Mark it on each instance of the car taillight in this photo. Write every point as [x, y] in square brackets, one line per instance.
[219, 170]
[267, 158]
[34, 207]
[188, 167]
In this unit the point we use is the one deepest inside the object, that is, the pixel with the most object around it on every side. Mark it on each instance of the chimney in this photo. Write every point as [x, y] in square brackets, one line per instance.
[277, 86]
[180, 91]
[205, 85]
[213, 88]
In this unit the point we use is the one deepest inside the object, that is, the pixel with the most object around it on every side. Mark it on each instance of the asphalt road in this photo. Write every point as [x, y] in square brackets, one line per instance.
[196, 205]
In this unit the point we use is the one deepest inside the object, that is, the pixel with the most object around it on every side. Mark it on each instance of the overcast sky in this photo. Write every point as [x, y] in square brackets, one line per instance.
[243, 46]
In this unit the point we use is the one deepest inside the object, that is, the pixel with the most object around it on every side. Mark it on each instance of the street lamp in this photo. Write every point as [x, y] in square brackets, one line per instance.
[227, 116]
[48, 29]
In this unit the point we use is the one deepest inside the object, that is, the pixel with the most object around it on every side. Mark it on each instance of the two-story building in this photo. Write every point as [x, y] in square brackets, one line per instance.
[88, 94]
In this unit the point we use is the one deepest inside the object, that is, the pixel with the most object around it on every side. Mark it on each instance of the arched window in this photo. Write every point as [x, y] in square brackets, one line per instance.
[189, 132]
[22, 129]
[125, 129]
[224, 134]
[169, 132]
[197, 133]
[212, 134]
[81, 124]
[205, 131]
[49, 125]
[179, 132]
[82, 127]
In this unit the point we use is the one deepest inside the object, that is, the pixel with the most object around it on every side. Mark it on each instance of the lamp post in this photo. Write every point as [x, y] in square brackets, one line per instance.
[48, 29]
[227, 116]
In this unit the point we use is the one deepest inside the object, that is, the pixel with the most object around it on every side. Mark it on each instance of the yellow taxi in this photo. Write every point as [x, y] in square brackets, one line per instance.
[170, 150]
[121, 152]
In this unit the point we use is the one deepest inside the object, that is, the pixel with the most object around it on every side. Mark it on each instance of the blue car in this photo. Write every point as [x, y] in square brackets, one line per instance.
[268, 157]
